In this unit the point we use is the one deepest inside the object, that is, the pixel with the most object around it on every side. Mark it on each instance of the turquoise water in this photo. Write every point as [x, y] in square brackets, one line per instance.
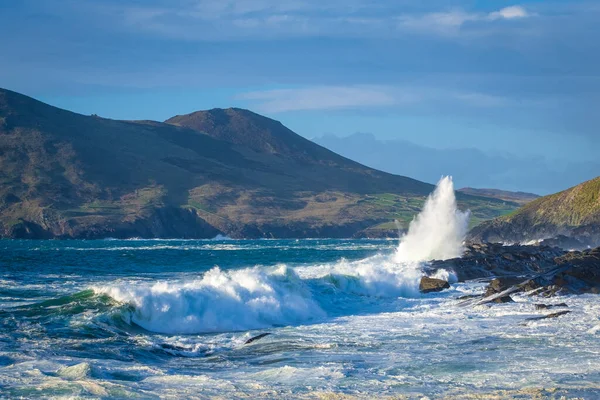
[170, 319]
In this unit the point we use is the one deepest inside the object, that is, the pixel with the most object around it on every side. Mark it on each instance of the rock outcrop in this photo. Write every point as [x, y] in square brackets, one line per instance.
[534, 270]
[490, 260]
[429, 285]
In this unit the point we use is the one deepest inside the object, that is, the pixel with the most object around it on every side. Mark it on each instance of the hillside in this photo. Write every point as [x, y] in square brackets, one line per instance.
[574, 213]
[230, 171]
[521, 198]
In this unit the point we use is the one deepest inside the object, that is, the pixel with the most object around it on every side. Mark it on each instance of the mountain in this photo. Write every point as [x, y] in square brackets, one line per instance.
[573, 213]
[470, 167]
[233, 172]
[517, 197]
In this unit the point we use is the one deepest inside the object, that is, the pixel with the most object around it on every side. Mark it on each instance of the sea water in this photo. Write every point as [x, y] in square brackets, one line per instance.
[345, 318]
[157, 318]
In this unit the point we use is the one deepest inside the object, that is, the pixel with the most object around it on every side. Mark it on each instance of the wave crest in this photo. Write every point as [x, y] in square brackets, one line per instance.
[221, 301]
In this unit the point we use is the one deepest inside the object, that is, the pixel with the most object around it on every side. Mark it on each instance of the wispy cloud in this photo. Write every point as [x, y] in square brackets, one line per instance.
[509, 13]
[319, 98]
[451, 22]
[259, 19]
[363, 96]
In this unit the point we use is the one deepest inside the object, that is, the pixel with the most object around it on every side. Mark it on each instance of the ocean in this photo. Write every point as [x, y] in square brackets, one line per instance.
[170, 319]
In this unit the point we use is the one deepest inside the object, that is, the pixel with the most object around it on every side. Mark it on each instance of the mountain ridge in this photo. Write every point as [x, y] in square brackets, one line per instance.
[68, 175]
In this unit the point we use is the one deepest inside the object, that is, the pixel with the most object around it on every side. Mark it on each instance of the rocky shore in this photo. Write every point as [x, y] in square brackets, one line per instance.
[534, 270]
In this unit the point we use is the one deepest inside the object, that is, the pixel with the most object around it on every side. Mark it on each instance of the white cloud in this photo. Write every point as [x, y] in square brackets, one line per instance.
[267, 19]
[364, 96]
[509, 13]
[452, 21]
[319, 97]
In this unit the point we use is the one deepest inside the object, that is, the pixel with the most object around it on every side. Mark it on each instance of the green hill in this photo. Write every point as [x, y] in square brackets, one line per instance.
[521, 198]
[574, 212]
[230, 171]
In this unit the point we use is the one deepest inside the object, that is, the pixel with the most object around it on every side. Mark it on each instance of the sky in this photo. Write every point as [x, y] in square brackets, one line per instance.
[497, 76]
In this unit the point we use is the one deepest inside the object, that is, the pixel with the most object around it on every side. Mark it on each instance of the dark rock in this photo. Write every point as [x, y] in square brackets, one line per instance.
[469, 296]
[582, 272]
[501, 284]
[429, 285]
[567, 242]
[553, 315]
[536, 270]
[503, 299]
[547, 306]
[488, 260]
[531, 285]
[257, 337]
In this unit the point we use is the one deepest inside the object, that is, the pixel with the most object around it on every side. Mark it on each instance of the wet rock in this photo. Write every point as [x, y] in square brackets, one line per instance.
[257, 337]
[582, 272]
[501, 284]
[429, 285]
[567, 242]
[535, 270]
[553, 315]
[488, 260]
[503, 299]
[548, 306]
[469, 296]
[532, 286]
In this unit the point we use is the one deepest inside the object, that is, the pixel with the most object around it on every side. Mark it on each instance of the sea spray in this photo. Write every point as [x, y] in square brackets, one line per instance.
[263, 297]
[438, 231]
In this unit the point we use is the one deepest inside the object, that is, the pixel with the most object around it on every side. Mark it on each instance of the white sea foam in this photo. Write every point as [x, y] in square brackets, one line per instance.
[254, 298]
[221, 301]
[438, 231]
[261, 297]
[378, 276]
[237, 246]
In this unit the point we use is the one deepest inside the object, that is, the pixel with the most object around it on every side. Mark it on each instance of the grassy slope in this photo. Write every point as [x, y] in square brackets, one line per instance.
[579, 205]
[398, 201]
[521, 198]
[573, 208]
[71, 175]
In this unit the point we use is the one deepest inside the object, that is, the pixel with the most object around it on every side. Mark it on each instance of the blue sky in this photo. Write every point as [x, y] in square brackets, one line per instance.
[518, 77]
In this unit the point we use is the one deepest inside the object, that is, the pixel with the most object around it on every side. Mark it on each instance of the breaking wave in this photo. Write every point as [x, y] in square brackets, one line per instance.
[255, 298]
[259, 297]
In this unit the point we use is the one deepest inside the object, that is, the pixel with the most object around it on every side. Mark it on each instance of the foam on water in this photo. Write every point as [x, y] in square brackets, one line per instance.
[256, 297]
[418, 345]
[220, 301]
[338, 327]
[259, 297]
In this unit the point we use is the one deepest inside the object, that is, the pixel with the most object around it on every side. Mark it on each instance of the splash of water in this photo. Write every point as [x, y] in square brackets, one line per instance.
[259, 297]
[438, 231]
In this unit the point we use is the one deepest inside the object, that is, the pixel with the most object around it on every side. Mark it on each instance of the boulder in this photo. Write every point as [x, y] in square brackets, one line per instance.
[499, 285]
[429, 285]
[503, 299]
